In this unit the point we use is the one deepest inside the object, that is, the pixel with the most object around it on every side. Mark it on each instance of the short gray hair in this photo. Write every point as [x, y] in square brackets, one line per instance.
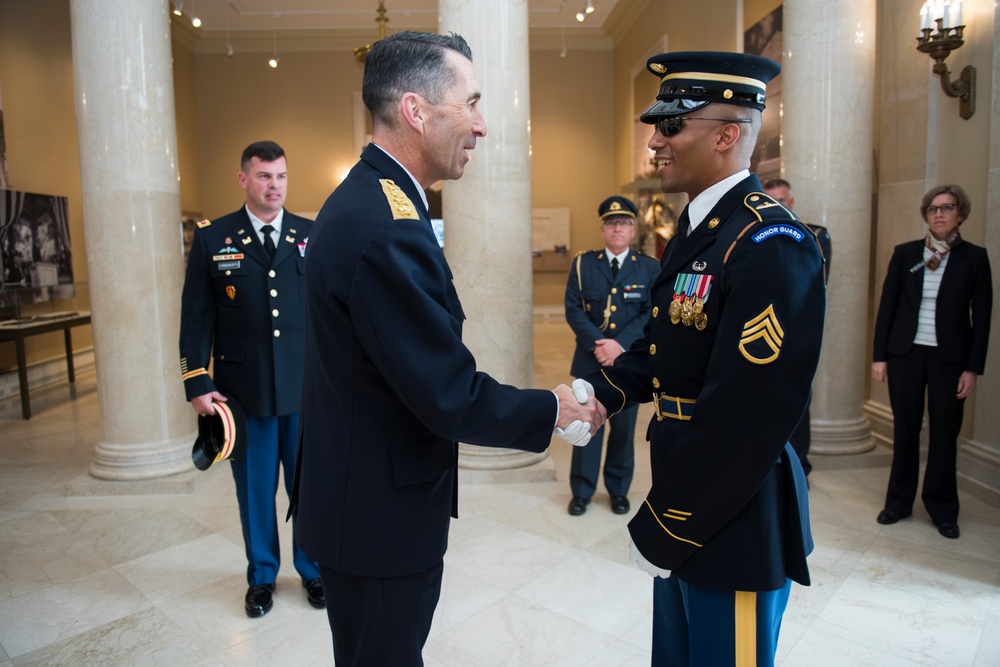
[405, 62]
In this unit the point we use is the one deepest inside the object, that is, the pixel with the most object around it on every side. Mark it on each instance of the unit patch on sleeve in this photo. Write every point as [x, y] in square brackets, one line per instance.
[760, 342]
[778, 230]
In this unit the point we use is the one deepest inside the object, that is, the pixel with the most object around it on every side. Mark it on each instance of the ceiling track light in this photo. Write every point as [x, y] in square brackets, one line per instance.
[273, 62]
[178, 8]
[195, 21]
[588, 7]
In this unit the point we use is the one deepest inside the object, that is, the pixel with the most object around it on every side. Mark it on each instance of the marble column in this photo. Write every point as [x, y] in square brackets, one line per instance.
[131, 208]
[979, 458]
[487, 214]
[827, 146]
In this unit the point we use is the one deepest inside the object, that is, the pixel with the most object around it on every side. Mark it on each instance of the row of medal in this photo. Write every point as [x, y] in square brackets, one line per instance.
[691, 293]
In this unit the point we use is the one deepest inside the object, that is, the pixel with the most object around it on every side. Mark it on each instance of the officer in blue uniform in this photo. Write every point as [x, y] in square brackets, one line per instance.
[243, 307]
[727, 358]
[607, 305]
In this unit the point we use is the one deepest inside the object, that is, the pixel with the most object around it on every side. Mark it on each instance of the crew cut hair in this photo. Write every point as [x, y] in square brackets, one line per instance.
[265, 151]
[405, 62]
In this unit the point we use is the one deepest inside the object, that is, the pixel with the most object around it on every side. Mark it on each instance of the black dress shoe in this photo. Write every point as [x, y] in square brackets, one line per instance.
[314, 592]
[578, 505]
[949, 530]
[258, 601]
[888, 517]
[619, 505]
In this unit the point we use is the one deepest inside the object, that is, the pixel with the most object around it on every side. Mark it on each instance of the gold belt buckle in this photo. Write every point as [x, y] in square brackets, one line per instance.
[656, 404]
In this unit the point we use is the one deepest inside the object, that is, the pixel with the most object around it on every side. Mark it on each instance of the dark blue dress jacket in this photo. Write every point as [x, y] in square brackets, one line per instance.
[389, 387]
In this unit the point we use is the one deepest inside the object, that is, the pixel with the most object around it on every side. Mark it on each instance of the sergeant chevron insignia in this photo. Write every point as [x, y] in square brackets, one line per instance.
[760, 342]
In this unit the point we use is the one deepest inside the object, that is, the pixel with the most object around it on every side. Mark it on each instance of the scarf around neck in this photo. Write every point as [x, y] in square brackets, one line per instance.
[938, 250]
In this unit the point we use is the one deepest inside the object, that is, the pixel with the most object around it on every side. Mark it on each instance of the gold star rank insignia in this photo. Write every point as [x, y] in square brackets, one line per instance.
[402, 207]
[762, 336]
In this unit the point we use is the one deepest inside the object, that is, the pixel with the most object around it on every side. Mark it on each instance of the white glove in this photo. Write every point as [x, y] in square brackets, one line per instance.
[582, 390]
[576, 434]
[645, 565]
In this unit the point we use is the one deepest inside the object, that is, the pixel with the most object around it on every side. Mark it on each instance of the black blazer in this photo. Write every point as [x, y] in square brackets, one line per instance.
[246, 312]
[963, 307]
[388, 386]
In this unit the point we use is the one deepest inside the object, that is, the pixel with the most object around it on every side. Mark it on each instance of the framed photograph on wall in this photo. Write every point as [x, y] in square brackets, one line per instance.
[35, 252]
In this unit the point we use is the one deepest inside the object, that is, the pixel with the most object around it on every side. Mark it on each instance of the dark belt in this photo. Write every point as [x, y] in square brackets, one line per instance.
[673, 407]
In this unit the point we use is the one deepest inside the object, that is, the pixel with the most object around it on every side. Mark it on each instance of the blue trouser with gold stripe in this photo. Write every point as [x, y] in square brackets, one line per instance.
[271, 443]
[694, 626]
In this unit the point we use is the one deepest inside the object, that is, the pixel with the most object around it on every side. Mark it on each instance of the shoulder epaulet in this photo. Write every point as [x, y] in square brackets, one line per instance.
[402, 207]
[766, 208]
[773, 220]
[201, 224]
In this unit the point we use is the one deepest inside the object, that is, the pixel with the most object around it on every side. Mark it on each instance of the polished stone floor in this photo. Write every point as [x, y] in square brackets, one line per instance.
[158, 579]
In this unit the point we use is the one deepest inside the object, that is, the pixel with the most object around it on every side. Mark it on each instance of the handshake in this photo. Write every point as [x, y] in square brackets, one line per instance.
[580, 414]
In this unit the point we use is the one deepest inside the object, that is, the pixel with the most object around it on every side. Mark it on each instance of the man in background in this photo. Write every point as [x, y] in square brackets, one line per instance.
[801, 437]
[607, 305]
[243, 307]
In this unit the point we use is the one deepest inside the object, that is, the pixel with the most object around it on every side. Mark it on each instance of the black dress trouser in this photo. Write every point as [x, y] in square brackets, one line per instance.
[380, 621]
[910, 375]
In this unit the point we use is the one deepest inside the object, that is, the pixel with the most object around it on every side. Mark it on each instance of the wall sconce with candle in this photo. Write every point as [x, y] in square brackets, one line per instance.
[947, 17]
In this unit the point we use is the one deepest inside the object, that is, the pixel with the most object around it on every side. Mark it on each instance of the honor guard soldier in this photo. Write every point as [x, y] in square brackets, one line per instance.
[243, 308]
[607, 305]
[727, 358]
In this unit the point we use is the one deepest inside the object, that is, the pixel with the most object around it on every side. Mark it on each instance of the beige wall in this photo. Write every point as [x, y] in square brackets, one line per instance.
[306, 105]
[188, 135]
[572, 128]
[36, 80]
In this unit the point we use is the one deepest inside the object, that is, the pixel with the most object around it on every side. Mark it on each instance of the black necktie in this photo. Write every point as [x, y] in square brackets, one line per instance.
[614, 267]
[268, 241]
[684, 224]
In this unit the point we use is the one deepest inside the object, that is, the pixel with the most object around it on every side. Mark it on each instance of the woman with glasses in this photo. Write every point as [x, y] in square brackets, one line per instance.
[931, 334]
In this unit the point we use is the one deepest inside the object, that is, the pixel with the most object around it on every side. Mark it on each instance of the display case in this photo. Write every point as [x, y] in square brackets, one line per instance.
[21, 305]
[32, 311]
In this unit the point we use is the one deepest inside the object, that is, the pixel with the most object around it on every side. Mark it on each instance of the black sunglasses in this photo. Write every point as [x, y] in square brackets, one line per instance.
[668, 127]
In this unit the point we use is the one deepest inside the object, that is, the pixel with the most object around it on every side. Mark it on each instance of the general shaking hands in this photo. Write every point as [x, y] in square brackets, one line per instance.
[580, 414]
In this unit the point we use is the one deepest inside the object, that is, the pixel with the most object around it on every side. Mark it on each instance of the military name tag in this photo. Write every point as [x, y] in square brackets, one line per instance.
[229, 265]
